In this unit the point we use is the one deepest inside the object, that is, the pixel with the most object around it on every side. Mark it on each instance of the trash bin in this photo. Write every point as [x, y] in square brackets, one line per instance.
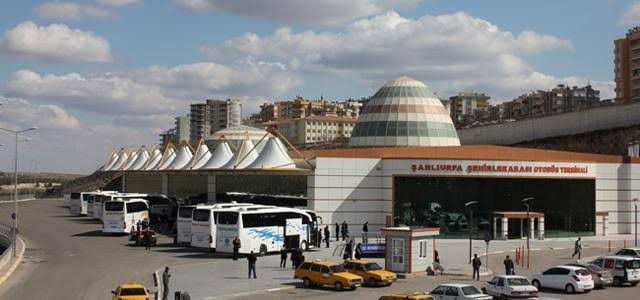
[185, 296]
[177, 295]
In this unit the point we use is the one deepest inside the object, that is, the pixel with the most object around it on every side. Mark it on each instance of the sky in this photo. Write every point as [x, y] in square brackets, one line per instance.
[98, 75]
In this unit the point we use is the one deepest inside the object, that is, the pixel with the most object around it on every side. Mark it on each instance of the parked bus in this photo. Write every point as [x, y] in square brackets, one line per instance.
[98, 200]
[264, 230]
[183, 225]
[105, 196]
[121, 215]
[203, 222]
[79, 203]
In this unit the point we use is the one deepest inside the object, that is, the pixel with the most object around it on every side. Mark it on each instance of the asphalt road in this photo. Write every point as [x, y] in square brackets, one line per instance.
[69, 257]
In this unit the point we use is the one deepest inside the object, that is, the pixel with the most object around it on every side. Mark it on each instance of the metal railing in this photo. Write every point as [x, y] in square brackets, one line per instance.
[6, 234]
[4, 198]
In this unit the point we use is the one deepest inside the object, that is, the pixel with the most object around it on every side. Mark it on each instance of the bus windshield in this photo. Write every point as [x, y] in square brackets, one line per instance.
[228, 218]
[86, 197]
[201, 215]
[185, 212]
[114, 206]
[75, 195]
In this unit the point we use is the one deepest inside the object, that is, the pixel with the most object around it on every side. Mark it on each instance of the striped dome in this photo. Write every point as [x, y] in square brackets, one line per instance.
[404, 112]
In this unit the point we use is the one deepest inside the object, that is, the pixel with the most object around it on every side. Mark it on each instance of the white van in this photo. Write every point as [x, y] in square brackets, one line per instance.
[121, 215]
[624, 269]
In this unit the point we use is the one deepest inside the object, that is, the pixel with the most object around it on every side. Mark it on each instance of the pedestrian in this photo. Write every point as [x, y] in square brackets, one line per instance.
[337, 232]
[300, 259]
[508, 266]
[476, 263]
[344, 230]
[358, 252]
[252, 264]
[319, 238]
[236, 247]
[138, 231]
[283, 257]
[436, 256]
[365, 232]
[147, 239]
[577, 248]
[327, 235]
[294, 258]
[165, 283]
[347, 251]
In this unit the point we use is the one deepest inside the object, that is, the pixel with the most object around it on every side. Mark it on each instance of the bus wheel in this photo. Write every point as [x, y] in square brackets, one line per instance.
[304, 245]
[263, 250]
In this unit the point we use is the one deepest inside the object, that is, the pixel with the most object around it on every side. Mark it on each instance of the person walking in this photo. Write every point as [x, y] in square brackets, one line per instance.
[358, 251]
[327, 235]
[319, 238]
[508, 266]
[344, 230]
[165, 283]
[251, 259]
[147, 239]
[476, 263]
[348, 247]
[365, 232]
[436, 256]
[294, 258]
[283, 257]
[236, 247]
[577, 248]
[301, 259]
[337, 232]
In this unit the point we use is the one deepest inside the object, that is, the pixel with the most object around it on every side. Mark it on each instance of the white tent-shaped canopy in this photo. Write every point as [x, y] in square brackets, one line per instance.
[245, 155]
[132, 158]
[182, 158]
[219, 158]
[272, 156]
[113, 156]
[167, 158]
[154, 160]
[120, 161]
[201, 157]
[140, 160]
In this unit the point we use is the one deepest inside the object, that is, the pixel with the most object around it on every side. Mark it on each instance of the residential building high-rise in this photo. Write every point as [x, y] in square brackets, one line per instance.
[183, 128]
[315, 129]
[464, 103]
[212, 116]
[626, 60]
[167, 137]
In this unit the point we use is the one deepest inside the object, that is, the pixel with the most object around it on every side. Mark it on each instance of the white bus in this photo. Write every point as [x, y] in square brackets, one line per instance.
[122, 214]
[98, 200]
[264, 230]
[79, 203]
[183, 225]
[203, 222]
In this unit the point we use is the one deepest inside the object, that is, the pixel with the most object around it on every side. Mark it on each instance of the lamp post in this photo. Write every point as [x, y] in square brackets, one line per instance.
[15, 186]
[525, 201]
[468, 206]
[635, 204]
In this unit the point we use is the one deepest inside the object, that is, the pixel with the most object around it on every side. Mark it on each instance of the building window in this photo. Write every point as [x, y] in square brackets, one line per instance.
[422, 252]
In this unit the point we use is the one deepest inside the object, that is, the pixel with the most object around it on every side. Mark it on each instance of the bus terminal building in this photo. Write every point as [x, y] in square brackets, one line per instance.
[405, 167]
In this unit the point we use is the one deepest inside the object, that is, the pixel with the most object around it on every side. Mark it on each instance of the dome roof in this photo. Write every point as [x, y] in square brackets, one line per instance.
[404, 112]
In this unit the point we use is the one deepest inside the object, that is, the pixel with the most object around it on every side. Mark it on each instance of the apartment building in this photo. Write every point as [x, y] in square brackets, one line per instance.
[626, 60]
[315, 129]
[465, 103]
[212, 116]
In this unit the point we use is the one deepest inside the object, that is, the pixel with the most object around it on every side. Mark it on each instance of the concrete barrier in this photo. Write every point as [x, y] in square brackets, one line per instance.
[7, 264]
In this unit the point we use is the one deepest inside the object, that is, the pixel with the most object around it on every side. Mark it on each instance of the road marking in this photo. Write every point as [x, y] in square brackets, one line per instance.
[15, 263]
[23, 200]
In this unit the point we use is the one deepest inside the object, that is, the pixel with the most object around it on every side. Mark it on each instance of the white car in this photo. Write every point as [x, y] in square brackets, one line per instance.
[458, 291]
[510, 286]
[569, 278]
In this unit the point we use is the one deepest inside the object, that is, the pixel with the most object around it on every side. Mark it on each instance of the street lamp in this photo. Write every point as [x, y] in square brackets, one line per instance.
[635, 204]
[15, 185]
[468, 206]
[525, 201]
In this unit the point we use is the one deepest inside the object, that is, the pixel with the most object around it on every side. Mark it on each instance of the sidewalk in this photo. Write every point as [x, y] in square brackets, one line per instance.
[219, 277]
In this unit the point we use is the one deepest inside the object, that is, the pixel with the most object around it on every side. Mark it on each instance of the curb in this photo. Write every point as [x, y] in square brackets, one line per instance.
[15, 264]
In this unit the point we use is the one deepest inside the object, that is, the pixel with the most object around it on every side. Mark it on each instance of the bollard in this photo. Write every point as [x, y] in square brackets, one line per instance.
[624, 244]
[517, 261]
[528, 257]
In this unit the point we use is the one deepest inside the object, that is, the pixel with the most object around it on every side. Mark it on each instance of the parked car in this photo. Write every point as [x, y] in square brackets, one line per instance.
[131, 291]
[407, 296]
[624, 269]
[510, 286]
[569, 278]
[458, 291]
[372, 273]
[601, 278]
[633, 252]
[326, 273]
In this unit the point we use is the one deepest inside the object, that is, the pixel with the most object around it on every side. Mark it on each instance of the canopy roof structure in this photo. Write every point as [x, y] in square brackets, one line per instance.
[273, 156]
[167, 158]
[113, 156]
[132, 158]
[219, 158]
[200, 158]
[245, 155]
[183, 157]
[119, 161]
[153, 161]
[140, 160]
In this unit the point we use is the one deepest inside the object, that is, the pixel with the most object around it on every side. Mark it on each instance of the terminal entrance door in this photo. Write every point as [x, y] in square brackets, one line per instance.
[515, 229]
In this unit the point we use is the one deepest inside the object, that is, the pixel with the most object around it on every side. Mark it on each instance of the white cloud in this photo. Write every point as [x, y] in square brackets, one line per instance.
[71, 11]
[55, 42]
[155, 90]
[631, 17]
[451, 52]
[324, 12]
[19, 113]
[118, 3]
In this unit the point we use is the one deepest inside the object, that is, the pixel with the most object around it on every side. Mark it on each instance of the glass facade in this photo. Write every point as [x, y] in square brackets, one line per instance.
[405, 91]
[568, 204]
[404, 128]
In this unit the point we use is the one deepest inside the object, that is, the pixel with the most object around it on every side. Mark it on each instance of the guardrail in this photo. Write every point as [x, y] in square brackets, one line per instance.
[20, 197]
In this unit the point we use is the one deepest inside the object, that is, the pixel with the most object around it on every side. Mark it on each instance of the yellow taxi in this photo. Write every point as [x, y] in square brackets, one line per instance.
[371, 272]
[407, 296]
[131, 291]
[326, 273]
